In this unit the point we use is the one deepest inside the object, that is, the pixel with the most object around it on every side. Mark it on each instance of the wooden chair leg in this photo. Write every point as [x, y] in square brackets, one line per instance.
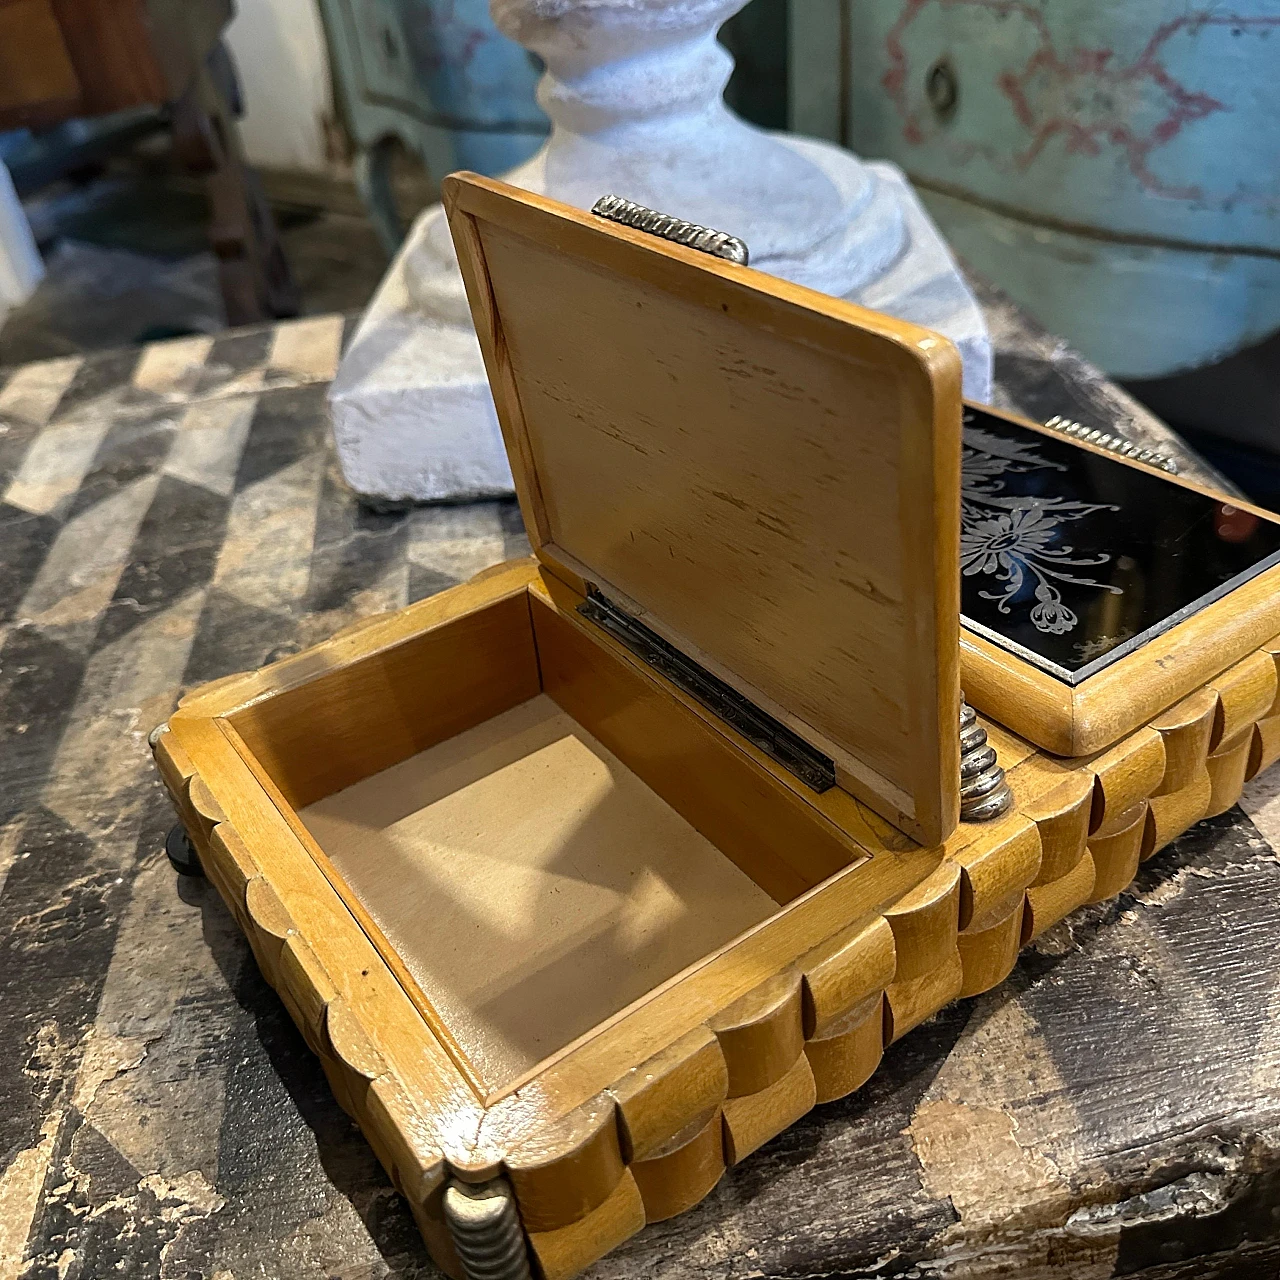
[253, 272]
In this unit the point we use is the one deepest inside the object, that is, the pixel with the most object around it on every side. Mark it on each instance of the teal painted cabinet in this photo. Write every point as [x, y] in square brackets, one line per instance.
[1114, 167]
[437, 77]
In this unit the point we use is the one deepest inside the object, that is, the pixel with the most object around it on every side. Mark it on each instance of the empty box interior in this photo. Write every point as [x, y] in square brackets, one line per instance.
[531, 829]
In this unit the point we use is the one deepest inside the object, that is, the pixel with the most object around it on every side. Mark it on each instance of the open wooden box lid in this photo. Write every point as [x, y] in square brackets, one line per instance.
[765, 477]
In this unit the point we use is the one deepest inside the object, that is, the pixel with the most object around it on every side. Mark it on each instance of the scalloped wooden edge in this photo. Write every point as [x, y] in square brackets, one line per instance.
[811, 1031]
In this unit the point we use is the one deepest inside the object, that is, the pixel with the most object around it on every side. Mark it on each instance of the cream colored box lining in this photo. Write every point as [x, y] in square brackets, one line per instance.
[530, 882]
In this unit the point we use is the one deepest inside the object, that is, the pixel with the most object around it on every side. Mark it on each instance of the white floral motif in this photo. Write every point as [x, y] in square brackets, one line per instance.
[1013, 538]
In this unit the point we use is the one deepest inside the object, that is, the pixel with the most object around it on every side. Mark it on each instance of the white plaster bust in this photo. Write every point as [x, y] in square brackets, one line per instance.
[634, 90]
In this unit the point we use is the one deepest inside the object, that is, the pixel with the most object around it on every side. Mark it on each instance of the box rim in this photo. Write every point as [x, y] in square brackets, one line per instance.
[191, 725]
[956, 933]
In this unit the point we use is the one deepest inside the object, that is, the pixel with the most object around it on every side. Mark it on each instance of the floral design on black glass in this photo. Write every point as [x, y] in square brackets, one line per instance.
[1015, 539]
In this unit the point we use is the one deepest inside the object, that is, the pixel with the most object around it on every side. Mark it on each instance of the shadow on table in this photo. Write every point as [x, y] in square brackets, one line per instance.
[284, 1139]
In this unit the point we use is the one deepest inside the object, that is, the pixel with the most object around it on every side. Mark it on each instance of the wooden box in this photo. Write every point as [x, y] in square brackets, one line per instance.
[587, 878]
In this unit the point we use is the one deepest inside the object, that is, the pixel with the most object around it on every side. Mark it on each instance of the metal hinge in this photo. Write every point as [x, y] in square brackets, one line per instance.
[629, 214]
[1113, 444]
[762, 730]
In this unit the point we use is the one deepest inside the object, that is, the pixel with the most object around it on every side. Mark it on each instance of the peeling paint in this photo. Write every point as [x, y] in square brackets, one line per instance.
[105, 1057]
[1261, 801]
[20, 1194]
[191, 1191]
[10, 836]
[972, 1157]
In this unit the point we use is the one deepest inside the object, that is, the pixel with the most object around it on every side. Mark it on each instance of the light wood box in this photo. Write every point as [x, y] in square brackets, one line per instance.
[543, 915]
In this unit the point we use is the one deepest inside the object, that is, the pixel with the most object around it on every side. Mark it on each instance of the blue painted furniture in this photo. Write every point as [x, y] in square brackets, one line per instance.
[1115, 167]
[437, 77]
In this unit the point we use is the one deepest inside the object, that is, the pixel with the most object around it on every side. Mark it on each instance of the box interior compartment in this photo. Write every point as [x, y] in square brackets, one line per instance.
[534, 831]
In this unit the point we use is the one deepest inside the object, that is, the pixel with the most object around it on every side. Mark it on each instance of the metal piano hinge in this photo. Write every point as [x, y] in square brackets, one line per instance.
[1113, 444]
[984, 793]
[770, 735]
[629, 214]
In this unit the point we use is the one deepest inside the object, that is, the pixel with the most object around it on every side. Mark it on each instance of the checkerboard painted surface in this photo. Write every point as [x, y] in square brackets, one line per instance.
[175, 513]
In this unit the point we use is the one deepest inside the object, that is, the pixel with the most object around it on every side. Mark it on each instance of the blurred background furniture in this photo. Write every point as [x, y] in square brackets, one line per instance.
[435, 78]
[1114, 168]
[1057, 206]
[635, 92]
[137, 65]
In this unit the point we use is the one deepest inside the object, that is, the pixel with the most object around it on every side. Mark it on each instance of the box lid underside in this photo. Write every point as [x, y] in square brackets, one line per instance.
[766, 477]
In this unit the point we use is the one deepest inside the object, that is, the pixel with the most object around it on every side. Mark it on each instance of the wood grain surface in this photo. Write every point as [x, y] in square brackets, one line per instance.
[162, 1114]
[470, 835]
[768, 476]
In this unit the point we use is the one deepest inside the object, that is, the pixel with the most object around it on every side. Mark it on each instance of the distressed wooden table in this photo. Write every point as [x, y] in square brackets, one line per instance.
[175, 513]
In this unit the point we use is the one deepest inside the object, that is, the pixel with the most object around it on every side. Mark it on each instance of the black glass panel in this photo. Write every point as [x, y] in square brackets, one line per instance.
[1071, 559]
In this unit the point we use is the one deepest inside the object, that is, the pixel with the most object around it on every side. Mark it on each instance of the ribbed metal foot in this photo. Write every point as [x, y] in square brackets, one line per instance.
[984, 793]
[486, 1230]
